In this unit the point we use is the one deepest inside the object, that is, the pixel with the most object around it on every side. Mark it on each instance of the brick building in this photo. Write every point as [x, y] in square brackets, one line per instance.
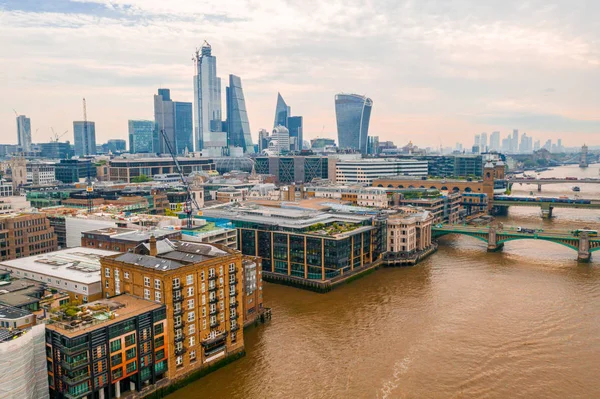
[25, 234]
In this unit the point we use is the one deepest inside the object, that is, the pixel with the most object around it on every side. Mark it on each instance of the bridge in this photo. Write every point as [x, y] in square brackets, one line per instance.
[495, 238]
[550, 180]
[502, 202]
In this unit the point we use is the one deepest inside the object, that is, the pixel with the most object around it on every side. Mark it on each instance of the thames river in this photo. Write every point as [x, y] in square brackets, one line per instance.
[521, 323]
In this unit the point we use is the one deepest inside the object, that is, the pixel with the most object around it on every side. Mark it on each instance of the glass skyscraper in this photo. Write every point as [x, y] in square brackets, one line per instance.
[353, 112]
[24, 132]
[175, 118]
[207, 95]
[282, 111]
[238, 126]
[184, 129]
[85, 139]
[294, 125]
[141, 136]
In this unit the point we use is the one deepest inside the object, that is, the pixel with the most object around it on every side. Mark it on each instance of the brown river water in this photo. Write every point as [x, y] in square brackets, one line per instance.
[521, 323]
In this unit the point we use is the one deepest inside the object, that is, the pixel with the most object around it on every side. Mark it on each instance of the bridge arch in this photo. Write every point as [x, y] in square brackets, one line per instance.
[572, 244]
[480, 236]
[422, 187]
[444, 188]
[433, 187]
[411, 186]
[468, 189]
[380, 185]
[456, 189]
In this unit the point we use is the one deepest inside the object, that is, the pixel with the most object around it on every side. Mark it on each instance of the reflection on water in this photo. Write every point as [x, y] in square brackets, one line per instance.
[523, 322]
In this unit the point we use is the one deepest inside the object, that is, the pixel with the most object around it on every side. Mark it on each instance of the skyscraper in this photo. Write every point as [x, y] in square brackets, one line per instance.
[352, 113]
[294, 125]
[207, 95]
[495, 141]
[85, 138]
[175, 118]
[483, 144]
[238, 126]
[282, 112]
[141, 136]
[515, 141]
[24, 132]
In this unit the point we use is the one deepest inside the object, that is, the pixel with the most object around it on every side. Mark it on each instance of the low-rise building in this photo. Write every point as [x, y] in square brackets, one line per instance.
[357, 195]
[106, 348]
[123, 239]
[25, 234]
[444, 206]
[74, 270]
[368, 170]
[200, 286]
[409, 231]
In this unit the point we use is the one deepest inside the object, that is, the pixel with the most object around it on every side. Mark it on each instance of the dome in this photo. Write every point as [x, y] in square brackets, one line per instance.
[227, 164]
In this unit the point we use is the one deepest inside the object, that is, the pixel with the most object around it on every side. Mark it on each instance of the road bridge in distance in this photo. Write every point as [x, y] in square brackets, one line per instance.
[495, 237]
[551, 180]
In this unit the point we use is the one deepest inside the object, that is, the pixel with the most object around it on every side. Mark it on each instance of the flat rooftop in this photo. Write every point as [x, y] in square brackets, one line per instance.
[102, 313]
[77, 264]
[20, 292]
[132, 235]
[10, 312]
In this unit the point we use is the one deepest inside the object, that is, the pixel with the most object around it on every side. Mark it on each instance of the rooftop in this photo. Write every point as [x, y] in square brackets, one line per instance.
[10, 312]
[77, 264]
[132, 235]
[20, 292]
[101, 313]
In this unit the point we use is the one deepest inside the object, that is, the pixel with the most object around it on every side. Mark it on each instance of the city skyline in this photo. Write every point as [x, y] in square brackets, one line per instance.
[426, 82]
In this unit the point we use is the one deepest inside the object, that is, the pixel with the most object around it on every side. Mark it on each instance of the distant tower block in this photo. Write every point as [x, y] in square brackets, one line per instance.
[583, 162]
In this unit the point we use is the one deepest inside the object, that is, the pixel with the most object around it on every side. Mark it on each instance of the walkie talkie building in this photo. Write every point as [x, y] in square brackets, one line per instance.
[353, 113]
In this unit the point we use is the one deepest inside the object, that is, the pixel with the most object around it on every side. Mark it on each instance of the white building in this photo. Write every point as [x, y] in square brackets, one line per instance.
[41, 173]
[372, 196]
[280, 140]
[367, 170]
[6, 188]
[74, 270]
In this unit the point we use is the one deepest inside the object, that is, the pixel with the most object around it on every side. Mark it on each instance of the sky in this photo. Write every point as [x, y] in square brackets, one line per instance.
[438, 71]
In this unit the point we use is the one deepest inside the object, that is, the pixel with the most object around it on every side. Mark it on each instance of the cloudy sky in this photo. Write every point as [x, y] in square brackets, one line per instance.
[438, 71]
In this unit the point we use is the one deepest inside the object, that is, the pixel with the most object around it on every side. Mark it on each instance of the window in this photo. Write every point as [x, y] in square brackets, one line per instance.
[192, 341]
[158, 342]
[189, 279]
[204, 324]
[203, 287]
[146, 293]
[146, 281]
[115, 360]
[190, 291]
[177, 321]
[131, 367]
[192, 355]
[159, 329]
[220, 280]
[106, 283]
[130, 340]
[190, 304]
[157, 296]
[231, 267]
[213, 320]
[126, 275]
[156, 284]
[116, 274]
[192, 328]
[203, 300]
[176, 284]
[115, 345]
[204, 311]
[191, 316]
[179, 360]
[107, 272]
[117, 374]
[202, 275]
[130, 353]
[160, 355]
[232, 313]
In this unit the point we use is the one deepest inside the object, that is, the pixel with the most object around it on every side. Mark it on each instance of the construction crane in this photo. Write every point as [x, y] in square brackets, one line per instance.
[55, 136]
[16, 113]
[90, 187]
[190, 201]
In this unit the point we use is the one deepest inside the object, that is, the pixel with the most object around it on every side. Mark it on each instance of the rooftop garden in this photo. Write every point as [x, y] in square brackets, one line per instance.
[332, 229]
[421, 194]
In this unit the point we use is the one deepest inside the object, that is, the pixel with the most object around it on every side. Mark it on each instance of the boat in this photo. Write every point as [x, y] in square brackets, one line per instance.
[576, 189]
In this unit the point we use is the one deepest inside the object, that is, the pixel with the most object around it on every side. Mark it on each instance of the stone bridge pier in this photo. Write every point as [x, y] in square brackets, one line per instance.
[583, 253]
[493, 245]
[546, 210]
[539, 188]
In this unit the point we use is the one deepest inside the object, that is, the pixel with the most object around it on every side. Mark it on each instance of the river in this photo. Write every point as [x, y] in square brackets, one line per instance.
[521, 323]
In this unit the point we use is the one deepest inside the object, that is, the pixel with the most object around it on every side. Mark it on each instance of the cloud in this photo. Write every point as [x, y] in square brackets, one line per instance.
[463, 65]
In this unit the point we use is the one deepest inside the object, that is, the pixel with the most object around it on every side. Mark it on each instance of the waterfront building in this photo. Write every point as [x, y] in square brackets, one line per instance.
[23, 365]
[25, 234]
[174, 118]
[201, 287]
[74, 170]
[24, 133]
[107, 348]
[282, 112]
[126, 169]
[296, 169]
[304, 245]
[474, 203]
[74, 270]
[353, 113]
[85, 138]
[238, 126]
[443, 207]
[207, 96]
[120, 239]
[367, 170]
[56, 150]
[409, 231]
[295, 128]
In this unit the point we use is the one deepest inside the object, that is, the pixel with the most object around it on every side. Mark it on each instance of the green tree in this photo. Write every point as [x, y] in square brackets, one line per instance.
[140, 179]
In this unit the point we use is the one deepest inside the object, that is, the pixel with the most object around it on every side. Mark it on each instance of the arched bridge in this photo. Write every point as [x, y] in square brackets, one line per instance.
[496, 237]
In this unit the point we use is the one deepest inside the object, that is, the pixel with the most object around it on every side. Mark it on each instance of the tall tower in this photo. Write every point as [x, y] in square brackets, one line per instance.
[282, 112]
[238, 126]
[583, 162]
[24, 132]
[207, 95]
[353, 112]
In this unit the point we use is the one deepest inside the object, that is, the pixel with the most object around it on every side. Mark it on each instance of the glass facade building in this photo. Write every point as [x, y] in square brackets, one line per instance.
[282, 112]
[24, 132]
[141, 136]
[207, 95]
[85, 138]
[294, 125]
[238, 126]
[175, 118]
[353, 113]
[184, 129]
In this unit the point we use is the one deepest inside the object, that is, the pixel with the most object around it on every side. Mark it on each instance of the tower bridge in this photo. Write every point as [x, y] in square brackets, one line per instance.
[495, 238]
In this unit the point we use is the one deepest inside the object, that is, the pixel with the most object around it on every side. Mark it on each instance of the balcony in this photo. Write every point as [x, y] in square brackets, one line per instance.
[78, 395]
[235, 328]
[217, 349]
[179, 352]
[76, 379]
[214, 324]
[213, 299]
[74, 350]
[73, 365]
[179, 338]
[177, 312]
[213, 312]
[232, 280]
[214, 340]
[213, 277]
[233, 304]
[212, 287]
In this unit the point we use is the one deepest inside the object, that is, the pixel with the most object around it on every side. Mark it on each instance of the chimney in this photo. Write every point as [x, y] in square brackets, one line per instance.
[153, 251]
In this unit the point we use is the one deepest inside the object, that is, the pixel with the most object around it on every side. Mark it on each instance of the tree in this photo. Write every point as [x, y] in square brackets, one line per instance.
[140, 179]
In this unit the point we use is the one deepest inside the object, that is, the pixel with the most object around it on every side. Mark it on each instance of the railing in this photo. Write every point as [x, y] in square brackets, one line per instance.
[79, 395]
[75, 349]
[213, 312]
[210, 341]
[74, 365]
[76, 379]
[232, 280]
[177, 312]
[213, 300]
[213, 277]
[179, 337]
[179, 352]
[233, 304]
[212, 287]
[214, 324]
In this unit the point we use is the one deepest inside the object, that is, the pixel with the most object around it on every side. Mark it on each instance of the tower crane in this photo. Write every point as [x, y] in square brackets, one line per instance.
[90, 187]
[55, 136]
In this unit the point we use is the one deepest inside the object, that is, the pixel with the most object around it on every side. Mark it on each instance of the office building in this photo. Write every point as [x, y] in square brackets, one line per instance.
[373, 145]
[56, 150]
[495, 141]
[207, 96]
[141, 136]
[279, 143]
[296, 169]
[174, 119]
[114, 146]
[443, 207]
[357, 194]
[23, 366]
[515, 141]
[282, 112]
[122, 239]
[106, 348]
[74, 270]
[85, 138]
[408, 232]
[74, 170]
[352, 113]
[238, 126]
[25, 234]
[41, 173]
[367, 170]
[321, 143]
[483, 142]
[201, 286]
[263, 140]
[24, 133]
[126, 169]
[294, 126]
